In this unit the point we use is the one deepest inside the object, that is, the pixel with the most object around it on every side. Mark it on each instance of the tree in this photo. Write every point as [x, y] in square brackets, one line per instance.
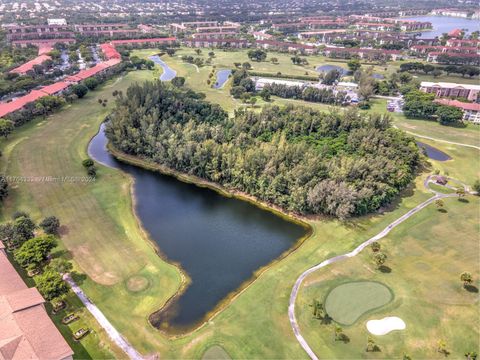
[448, 115]
[476, 186]
[331, 77]
[375, 246]
[3, 188]
[62, 266]
[466, 277]
[211, 54]
[442, 347]
[439, 204]
[274, 60]
[170, 51]
[471, 355]
[354, 65]
[246, 66]
[427, 68]
[87, 163]
[91, 83]
[79, 90]
[178, 81]
[50, 225]
[6, 127]
[379, 259]
[198, 51]
[460, 191]
[257, 54]
[50, 284]
[265, 95]
[437, 73]
[35, 251]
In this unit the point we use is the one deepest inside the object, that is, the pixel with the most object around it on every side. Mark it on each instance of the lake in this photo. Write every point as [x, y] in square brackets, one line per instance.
[218, 241]
[432, 152]
[327, 68]
[444, 24]
[168, 73]
[222, 77]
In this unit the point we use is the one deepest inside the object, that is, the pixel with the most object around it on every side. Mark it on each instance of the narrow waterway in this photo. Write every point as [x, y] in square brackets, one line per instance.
[168, 73]
[218, 241]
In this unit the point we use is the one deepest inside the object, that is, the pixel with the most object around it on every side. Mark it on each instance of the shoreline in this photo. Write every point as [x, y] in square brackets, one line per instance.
[175, 332]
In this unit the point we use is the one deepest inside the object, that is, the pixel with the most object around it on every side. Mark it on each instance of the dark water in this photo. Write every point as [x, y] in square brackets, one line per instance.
[218, 241]
[222, 77]
[327, 68]
[433, 153]
[168, 72]
[445, 24]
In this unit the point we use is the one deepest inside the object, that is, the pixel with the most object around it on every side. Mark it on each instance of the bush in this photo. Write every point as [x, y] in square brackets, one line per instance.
[87, 163]
[50, 225]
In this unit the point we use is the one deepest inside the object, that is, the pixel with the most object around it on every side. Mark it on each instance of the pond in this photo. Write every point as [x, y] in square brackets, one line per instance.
[327, 68]
[444, 24]
[433, 153]
[219, 241]
[168, 73]
[222, 77]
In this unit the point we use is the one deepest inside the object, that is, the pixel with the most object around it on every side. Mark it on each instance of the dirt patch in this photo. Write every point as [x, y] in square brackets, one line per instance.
[137, 283]
[93, 269]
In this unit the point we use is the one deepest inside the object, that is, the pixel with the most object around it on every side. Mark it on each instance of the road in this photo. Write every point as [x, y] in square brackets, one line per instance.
[296, 287]
[114, 335]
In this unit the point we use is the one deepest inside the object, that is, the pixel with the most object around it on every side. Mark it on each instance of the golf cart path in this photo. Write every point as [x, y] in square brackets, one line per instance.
[114, 335]
[440, 140]
[355, 252]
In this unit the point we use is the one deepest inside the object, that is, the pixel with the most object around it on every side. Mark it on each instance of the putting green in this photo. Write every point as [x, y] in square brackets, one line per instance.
[215, 353]
[347, 302]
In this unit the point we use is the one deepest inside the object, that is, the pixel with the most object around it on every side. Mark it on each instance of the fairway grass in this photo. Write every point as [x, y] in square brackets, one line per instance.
[348, 302]
[425, 255]
[105, 241]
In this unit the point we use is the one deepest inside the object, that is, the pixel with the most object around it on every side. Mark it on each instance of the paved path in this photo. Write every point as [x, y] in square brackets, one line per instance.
[356, 251]
[440, 140]
[116, 337]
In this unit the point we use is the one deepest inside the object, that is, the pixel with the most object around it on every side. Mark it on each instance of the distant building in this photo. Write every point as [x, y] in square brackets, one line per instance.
[56, 22]
[471, 111]
[444, 89]
[26, 331]
[260, 83]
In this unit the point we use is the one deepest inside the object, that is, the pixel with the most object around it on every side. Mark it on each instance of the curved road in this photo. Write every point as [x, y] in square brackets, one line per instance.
[356, 251]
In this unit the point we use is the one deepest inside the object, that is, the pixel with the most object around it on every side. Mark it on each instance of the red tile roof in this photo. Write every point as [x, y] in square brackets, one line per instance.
[133, 41]
[55, 88]
[26, 331]
[22, 69]
[18, 103]
[459, 104]
[109, 51]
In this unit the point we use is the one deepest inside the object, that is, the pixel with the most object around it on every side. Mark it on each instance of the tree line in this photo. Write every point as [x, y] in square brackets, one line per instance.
[341, 163]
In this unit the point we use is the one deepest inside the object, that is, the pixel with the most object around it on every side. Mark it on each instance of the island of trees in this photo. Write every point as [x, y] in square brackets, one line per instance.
[339, 163]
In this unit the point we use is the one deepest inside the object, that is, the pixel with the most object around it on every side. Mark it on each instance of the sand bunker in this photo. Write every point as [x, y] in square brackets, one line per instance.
[385, 325]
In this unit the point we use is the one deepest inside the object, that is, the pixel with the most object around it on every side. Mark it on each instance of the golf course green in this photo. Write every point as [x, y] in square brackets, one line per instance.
[347, 302]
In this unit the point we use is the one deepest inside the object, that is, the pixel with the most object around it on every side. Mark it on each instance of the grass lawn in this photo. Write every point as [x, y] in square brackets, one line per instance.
[467, 135]
[426, 256]
[125, 276]
[345, 303]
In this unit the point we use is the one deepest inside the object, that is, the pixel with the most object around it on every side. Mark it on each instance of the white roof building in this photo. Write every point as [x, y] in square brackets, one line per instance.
[261, 82]
[56, 22]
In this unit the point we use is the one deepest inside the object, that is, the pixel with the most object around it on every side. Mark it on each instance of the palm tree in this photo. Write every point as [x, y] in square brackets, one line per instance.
[379, 259]
[442, 347]
[466, 277]
[439, 203]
